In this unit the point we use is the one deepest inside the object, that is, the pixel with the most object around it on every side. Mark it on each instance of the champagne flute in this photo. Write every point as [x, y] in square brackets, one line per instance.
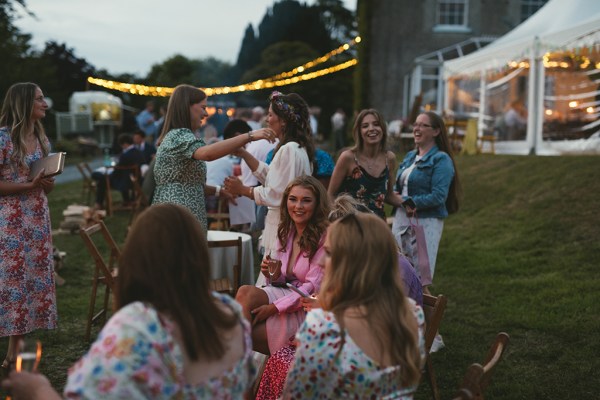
[28, 358]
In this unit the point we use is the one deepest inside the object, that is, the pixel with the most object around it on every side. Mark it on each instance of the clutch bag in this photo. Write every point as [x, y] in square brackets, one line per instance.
[53, 164]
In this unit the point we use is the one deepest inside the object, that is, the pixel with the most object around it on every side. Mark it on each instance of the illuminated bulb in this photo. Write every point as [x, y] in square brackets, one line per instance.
[589, 110]
[548, 112]
[572, 104]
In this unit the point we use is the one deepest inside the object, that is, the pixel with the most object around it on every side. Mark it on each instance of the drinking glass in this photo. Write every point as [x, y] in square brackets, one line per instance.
[272, 265]
[28, 356]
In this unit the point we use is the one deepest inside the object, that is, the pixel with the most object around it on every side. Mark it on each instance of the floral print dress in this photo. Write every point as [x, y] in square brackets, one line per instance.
[179, 178]
[318, 372]
[370, 190]
[137, 357]
[27, 291]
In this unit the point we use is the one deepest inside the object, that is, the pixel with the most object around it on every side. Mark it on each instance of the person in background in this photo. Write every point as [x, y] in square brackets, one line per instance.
[171, 336]
[275, 309]
[338, 128]
[515, 120]
[428, 183]
[27, 290]
[145, 121]
[278, 364]
[256, 120]
[119, 179]
[148, 149]
[315, 112]
[180, 165]
[294, 155]
[366, 171]
[367, 341]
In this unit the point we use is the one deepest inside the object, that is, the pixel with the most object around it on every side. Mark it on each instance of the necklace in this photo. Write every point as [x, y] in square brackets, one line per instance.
[370, 163]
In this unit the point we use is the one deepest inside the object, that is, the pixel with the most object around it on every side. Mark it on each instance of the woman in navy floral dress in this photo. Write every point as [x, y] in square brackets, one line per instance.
[27, 292]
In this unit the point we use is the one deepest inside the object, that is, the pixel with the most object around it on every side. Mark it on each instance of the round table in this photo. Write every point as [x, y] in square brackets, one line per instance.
[222, 259]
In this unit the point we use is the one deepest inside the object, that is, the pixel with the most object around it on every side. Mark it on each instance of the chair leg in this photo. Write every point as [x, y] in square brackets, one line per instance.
[106, 298]
[431, 379]
[88, 328]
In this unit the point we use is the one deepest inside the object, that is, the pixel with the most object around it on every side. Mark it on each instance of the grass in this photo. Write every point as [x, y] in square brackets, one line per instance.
[520, 256]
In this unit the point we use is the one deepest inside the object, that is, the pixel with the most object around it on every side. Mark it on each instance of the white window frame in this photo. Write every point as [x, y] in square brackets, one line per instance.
[445, 26]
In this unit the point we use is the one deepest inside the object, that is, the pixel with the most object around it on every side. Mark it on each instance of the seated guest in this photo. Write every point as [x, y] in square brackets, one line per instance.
[148, 150]
[119, 179]
[278, 364]
[367, 341]
[275, 310]
[171, 337]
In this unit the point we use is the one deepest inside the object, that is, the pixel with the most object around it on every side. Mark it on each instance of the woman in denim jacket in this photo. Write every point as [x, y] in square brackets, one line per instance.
[427, 183]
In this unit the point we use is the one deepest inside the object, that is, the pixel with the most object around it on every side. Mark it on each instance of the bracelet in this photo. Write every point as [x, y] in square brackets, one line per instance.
[250, 193]
[217, 190]
[250, 136]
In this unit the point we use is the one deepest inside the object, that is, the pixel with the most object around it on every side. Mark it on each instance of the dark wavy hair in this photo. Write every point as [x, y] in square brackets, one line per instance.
[294, 111]
[443, 143]
[165, 262]
[313, 233]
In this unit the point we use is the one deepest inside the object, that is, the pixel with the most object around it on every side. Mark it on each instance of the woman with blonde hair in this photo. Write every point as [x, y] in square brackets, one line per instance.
[275, 309]
[180, 164]
[171, 336]
[367, 341]
[27, 290]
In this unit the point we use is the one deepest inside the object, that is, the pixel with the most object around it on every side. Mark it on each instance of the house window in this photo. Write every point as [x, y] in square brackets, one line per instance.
[452, 13]
[530, 7]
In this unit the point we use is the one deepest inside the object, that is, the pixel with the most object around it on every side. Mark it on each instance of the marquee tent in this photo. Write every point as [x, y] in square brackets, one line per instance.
[551, 63]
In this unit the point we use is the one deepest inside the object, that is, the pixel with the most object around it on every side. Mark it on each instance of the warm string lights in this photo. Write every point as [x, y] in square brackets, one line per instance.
[281, 79]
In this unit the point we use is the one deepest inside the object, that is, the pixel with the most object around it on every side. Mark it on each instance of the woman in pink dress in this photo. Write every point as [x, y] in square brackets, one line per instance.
[275, 309]
[27, 293]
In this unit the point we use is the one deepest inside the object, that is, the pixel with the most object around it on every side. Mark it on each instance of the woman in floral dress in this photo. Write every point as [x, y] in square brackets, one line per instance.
[27, 292]
[180, 166]
[366, 171]
[171, 337]
[367, 340]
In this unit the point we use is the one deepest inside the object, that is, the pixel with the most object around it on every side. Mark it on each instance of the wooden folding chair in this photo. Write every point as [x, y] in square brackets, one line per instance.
[434, 308]
[140, 200]
[477, 378]
[134, 173]
[219, 221]
[224, 285]
[88, 187]
[105, 270]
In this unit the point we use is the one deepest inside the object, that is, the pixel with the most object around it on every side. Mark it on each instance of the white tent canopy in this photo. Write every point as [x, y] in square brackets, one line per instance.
[561, 25]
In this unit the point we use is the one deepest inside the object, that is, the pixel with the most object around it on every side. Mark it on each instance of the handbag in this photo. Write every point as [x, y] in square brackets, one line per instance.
[414, 246]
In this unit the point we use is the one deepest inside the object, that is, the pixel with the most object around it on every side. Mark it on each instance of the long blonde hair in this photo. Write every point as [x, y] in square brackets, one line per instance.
[364, 274]
[16, 116]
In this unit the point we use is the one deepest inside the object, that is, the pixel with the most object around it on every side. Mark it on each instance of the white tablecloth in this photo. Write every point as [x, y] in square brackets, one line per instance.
[222, 259]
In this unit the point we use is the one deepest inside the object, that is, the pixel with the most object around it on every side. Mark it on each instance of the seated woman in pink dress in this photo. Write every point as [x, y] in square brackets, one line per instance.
[367, 340]
[275, 310]
[171, 337]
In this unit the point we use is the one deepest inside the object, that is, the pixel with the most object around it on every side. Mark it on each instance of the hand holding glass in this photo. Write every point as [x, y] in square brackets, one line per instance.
[28, 358]
[272, 264]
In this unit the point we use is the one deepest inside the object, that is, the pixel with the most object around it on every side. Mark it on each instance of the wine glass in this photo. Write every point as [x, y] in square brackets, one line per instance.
[28, 356]
[272, 265]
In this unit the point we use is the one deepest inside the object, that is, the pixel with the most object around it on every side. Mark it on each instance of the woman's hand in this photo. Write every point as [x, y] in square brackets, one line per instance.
[263, 312]
[264, 268]
[234, 186]
[47, 184]
[264, 133]
[27, 385]
[228, 196]
[308, 303]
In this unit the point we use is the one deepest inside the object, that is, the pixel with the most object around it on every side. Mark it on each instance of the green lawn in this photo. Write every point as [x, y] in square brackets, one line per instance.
[520, 256]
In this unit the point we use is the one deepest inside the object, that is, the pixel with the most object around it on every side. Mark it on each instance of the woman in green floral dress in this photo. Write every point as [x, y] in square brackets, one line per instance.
[180, 166]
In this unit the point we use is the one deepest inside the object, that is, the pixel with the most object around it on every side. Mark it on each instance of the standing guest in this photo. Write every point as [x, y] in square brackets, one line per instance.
[366, 170]
[288, 118]
[275, 310]
[256, 120]
[145, 121]
[367, 341]
[180, 167]
[171, 336]
[119, 179]
[27, 292]
[338, 128]
[428, 183]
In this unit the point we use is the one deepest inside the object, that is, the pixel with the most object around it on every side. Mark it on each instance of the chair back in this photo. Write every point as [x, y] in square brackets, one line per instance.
[225, 285]
[105, 265]
[478, 377]
[88, 184]
[134, 174]
[219, 221]
[434, 308]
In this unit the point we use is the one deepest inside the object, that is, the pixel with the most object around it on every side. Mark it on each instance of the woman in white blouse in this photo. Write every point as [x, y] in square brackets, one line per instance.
[288, 117]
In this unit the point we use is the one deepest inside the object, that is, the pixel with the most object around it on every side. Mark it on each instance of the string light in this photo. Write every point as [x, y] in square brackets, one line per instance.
[282, 79]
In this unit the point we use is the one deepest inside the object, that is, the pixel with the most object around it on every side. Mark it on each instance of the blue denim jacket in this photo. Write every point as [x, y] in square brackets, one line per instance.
[429, 182]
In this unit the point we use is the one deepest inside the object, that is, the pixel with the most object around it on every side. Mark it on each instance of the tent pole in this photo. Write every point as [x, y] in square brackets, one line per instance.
[481, 116]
